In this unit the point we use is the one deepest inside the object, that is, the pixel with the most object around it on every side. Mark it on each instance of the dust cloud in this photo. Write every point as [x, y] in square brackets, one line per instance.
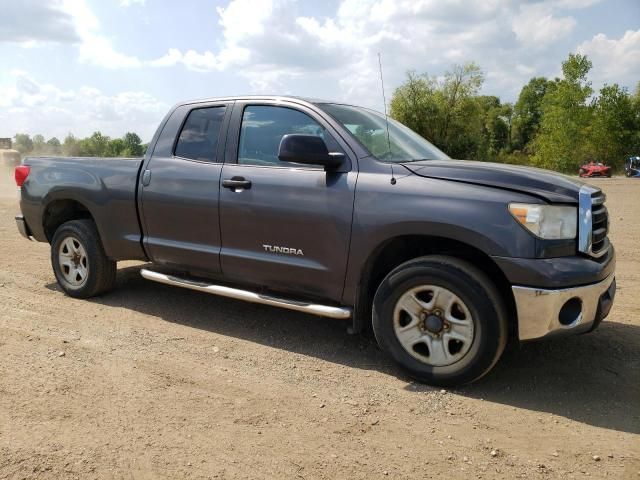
[8, 189]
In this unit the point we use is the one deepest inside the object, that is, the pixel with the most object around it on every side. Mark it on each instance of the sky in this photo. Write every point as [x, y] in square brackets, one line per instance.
[118, 65]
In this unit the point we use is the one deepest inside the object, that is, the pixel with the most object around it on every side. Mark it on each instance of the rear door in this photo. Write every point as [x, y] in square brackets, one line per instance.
[285, 226]
[180, 189]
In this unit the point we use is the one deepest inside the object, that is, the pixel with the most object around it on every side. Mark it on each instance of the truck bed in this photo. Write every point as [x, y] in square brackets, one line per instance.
[107, 187]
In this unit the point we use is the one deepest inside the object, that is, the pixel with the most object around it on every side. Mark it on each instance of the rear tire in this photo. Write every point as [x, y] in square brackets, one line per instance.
[455, 332]
[79, 263]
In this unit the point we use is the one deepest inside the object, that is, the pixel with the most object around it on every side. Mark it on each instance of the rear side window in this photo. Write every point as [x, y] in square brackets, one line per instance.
[198, 139]
[264, 126]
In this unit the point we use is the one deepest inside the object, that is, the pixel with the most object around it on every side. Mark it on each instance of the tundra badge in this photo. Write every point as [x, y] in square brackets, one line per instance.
[287, 250]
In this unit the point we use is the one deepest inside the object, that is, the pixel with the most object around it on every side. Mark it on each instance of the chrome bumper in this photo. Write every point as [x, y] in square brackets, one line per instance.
[543, 313]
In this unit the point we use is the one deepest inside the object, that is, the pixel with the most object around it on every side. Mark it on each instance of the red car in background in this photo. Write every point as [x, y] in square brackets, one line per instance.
[595, 169]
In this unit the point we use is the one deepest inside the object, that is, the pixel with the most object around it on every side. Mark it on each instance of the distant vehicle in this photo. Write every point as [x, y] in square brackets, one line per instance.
[298, 204]
[8, 156]
[632, 167]
[595, 169]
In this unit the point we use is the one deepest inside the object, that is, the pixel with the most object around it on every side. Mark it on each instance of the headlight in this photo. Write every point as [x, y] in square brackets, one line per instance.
[551, 222]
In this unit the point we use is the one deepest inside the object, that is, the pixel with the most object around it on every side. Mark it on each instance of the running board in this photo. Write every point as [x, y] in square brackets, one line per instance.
[247, 296]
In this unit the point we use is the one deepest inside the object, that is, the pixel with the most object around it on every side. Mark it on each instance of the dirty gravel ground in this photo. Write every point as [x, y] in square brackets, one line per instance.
[151, 381]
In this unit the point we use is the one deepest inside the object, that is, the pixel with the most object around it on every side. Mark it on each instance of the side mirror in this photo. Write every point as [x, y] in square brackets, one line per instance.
[310, 150]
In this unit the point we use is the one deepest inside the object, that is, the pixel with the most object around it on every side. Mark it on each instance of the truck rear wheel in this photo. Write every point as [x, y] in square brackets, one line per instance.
[441, 319]
[80, 265]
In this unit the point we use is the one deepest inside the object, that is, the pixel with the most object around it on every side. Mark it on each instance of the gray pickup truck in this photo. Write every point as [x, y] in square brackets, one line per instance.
[337, 211]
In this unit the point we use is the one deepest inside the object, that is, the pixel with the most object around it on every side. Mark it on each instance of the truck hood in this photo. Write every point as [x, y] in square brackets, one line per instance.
[550, 186]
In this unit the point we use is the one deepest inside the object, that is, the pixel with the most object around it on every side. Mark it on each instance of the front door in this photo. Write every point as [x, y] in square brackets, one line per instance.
[285, 226]
[180, 189]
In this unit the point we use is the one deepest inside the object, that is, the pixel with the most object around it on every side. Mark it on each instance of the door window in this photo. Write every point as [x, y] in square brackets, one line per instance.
[198, 139]
[264, 126]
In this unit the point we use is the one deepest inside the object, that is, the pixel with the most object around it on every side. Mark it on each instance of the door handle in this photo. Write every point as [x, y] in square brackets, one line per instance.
[146, 178]
[237, 183]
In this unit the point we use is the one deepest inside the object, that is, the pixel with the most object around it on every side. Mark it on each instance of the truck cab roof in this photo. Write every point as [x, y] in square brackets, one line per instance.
[276, 98]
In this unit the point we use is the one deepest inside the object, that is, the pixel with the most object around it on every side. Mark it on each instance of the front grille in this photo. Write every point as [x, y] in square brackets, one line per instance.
[599, 223]
[594, 222]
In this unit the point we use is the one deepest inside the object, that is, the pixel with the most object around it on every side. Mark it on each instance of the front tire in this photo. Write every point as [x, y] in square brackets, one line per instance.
[79, 263]
[441, 319]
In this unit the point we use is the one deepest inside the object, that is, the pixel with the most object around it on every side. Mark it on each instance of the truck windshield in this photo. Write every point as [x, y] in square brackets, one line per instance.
[370, 129]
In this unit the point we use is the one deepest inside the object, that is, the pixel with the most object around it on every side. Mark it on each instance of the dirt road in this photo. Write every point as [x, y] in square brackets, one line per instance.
[156, 382]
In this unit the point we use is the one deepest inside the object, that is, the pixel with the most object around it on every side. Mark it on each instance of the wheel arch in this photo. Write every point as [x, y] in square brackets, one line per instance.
[399, 249]
[61, 210]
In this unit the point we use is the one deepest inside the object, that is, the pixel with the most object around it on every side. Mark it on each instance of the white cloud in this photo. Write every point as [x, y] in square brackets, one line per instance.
[93, 47]
[277, 49]
[29, 22]
[32, 107]
[272, 46]
[573, 3]
[536, 26]
[614, 60]
[240, 20]
[129, 3]
[199, 62]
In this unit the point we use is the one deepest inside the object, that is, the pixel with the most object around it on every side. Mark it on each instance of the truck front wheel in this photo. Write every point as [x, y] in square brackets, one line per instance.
[80, 265]
[441, 319]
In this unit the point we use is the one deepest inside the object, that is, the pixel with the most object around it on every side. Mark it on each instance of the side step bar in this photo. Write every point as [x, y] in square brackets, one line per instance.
[247, 296]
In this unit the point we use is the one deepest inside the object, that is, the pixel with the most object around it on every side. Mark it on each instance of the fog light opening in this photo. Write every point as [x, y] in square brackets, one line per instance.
[570, 312]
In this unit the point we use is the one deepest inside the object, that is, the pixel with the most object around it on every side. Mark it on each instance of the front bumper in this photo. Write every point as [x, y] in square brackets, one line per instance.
[548, 312]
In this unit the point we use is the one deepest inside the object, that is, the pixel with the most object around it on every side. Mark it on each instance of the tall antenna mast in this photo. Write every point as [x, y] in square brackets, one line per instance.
[384, 99]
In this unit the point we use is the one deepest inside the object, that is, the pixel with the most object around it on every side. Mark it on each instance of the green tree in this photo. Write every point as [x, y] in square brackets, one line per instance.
[635, 98]
[613, 132]
[115, 148]
[53, 146]
[39, 144]
[495, 133]
[23, 143]
[133, 145]
[444, 111]
[461, 84]
[97, 145]
[528, 111]
[635, 102]
[70, 146]
[416, 104]
[508, 115]
[566, 116]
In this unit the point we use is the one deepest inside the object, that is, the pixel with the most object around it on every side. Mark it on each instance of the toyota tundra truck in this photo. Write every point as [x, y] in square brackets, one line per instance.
[337, 211]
